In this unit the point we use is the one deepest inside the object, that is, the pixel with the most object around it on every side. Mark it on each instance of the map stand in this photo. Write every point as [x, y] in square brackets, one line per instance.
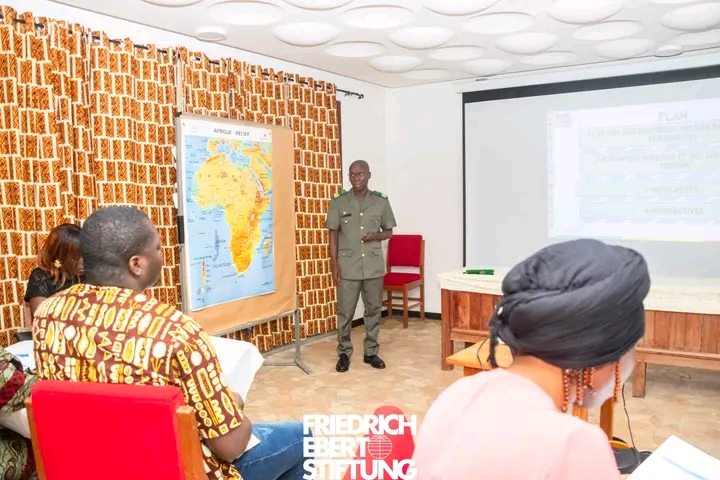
[297, 361]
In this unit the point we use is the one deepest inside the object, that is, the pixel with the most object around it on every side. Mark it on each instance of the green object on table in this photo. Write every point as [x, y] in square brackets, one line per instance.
[486, 271]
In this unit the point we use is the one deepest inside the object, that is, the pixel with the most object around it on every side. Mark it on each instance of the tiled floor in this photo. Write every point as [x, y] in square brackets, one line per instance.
[679, 401]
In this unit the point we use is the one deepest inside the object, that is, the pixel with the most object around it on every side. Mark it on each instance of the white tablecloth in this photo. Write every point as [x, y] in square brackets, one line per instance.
[667, 294]
[240, 362]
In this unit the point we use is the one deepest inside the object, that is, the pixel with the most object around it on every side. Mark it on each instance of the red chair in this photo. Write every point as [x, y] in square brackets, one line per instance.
[406, 251]
[403, 447]
[88, 431]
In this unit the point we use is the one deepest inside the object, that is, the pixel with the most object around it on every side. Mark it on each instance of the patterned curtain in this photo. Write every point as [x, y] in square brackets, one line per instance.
[132, 102]
[86, 121]
[313, 117]
[35, 164]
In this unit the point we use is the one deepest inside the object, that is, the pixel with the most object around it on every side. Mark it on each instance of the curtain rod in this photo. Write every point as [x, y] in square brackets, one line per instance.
[347, 93]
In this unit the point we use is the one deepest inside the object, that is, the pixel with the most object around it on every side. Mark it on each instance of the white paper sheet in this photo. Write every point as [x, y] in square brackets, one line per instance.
[676, 459]
[240, 362]
[24, 352]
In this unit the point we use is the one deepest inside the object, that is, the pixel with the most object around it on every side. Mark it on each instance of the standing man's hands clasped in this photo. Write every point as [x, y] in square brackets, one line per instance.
[369, 237]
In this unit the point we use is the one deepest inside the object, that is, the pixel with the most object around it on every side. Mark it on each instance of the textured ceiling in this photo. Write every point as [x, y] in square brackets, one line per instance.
[409, 42]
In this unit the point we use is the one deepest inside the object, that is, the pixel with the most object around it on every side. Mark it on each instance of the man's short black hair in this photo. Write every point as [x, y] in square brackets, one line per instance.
[109, 238]
[360, 163]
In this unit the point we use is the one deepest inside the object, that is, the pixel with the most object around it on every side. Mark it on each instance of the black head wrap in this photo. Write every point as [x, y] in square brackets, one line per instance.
[574, 305]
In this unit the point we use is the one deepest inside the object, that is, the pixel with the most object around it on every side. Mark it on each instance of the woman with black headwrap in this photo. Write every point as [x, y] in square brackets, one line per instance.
[571, 314]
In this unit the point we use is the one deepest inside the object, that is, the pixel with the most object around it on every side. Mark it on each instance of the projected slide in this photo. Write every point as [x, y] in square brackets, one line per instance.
[648, 172]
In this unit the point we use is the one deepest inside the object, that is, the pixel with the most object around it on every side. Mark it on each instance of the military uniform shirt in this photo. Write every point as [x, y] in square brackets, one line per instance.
[353, 218]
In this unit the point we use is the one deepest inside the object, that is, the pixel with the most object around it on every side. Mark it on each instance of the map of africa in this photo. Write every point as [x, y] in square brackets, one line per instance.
[228, 207]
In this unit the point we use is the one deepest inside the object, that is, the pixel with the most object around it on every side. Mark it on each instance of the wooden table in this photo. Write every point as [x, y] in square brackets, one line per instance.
[682, 320]
[474, 360]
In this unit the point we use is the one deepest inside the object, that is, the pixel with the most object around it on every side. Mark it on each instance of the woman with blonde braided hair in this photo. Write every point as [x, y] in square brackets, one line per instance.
[571, 314]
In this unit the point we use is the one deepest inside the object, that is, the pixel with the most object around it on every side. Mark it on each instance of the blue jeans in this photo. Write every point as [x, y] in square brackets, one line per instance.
[278, 456]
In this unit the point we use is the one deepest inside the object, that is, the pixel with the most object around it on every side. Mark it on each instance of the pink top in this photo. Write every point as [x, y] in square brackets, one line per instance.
[500, 426]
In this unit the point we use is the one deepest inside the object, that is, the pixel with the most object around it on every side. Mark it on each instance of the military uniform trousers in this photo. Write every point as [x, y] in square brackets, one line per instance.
[348, 294]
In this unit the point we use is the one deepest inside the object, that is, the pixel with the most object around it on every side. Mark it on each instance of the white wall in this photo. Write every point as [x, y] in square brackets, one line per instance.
[363, 121]
[424, 155]
[424, 175]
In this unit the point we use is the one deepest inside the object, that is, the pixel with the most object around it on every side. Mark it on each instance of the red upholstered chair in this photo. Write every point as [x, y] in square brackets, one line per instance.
[91, 431]
[405, 251]
[403, 447]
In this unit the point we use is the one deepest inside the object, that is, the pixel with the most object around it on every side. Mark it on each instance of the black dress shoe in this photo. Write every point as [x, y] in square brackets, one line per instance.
[343, 363]
[374, 361]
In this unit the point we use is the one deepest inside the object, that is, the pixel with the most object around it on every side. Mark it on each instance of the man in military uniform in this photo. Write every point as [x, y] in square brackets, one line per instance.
[359, 220]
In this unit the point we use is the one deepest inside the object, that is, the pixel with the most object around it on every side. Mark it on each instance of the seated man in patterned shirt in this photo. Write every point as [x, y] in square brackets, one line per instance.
[153, 343]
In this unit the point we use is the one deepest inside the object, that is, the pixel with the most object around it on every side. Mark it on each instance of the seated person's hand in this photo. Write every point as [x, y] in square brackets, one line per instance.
[239, 400]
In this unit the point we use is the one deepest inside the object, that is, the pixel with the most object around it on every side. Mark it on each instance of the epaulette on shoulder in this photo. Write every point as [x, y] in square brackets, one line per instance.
[339, 193]
[379, 194]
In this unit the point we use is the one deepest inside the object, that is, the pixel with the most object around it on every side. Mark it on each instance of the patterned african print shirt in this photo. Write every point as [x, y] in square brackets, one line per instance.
[114, 335]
